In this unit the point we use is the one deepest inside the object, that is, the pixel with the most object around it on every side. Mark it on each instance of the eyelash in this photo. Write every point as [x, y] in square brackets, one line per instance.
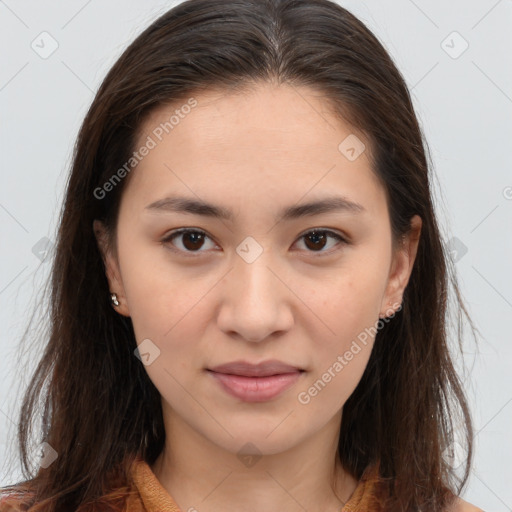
[341, 240]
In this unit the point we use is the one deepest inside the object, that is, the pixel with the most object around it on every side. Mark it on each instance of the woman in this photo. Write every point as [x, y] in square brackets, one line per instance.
[249, 292]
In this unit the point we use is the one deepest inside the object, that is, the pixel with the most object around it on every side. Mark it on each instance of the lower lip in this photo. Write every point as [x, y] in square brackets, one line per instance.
[256, 389]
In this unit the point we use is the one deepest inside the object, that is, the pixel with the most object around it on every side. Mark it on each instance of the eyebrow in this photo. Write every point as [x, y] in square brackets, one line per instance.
[180, 204]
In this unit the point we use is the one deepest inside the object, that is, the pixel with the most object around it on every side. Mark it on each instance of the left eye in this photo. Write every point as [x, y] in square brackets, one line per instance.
[317, 239]
[193, 239]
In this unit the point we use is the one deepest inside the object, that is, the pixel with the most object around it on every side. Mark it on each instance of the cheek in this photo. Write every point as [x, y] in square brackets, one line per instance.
[346, 302]
[328, 389]
[348, 309]
[168, 310]
[159, 294]
[171, 311]
[343, 340]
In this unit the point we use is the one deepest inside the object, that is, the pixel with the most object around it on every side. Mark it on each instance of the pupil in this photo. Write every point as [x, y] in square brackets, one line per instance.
[316, 237]
[196, 240]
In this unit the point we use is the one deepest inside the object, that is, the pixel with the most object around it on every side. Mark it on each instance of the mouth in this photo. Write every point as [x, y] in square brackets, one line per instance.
[263, 369]
[256, 382]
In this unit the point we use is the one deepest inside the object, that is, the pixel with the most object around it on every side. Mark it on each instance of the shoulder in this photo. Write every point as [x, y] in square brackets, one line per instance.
[8, 504]
[463, 506]
[14, 502]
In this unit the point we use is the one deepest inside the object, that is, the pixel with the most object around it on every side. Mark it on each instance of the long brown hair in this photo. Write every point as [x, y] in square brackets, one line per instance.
[99, 409]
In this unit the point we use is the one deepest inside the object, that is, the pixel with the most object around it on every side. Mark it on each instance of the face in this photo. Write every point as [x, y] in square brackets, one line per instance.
[267, 281]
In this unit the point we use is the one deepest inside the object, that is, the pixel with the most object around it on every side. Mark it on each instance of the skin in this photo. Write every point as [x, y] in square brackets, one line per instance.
[254, 153]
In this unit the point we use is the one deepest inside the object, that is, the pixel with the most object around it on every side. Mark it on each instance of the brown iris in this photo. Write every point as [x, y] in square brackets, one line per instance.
[318, 238]
[192, 240]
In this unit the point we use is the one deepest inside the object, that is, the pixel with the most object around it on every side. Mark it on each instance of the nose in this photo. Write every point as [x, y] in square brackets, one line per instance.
[256, 301]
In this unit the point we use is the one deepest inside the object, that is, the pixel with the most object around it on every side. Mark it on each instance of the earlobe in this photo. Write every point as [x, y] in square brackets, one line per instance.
[403, 262]
[116, 290]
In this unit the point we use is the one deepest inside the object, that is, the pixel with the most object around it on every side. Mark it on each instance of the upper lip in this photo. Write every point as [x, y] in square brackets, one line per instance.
[263, 369]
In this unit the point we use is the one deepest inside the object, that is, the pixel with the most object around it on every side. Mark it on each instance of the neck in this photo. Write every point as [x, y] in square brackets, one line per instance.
[202, 476]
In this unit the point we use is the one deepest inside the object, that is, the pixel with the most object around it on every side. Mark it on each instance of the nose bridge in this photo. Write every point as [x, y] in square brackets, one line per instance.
[252, 271]
[255, 301]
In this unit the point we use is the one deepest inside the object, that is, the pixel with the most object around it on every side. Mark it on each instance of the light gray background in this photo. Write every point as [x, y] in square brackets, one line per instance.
[463, 100]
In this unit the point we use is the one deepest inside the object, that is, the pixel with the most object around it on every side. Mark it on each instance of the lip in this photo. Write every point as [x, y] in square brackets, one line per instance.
[263, 369]
[255, 382]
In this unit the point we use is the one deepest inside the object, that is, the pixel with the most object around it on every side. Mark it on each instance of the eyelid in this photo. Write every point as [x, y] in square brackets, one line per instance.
[335, 232]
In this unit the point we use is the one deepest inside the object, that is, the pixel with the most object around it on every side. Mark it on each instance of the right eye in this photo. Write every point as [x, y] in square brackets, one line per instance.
[191, 240]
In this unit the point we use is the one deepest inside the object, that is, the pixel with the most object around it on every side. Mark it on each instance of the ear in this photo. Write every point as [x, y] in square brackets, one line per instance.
[401, 268]
[112, 271]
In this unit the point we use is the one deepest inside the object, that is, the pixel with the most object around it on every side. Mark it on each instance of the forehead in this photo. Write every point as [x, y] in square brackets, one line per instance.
[275, 117]
[271, 140]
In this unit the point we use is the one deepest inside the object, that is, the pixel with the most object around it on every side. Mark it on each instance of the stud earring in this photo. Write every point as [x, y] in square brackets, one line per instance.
[113, 298]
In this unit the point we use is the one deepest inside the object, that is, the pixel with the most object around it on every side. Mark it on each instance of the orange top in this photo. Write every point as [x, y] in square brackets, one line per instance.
[152, 497]
[146, 494]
